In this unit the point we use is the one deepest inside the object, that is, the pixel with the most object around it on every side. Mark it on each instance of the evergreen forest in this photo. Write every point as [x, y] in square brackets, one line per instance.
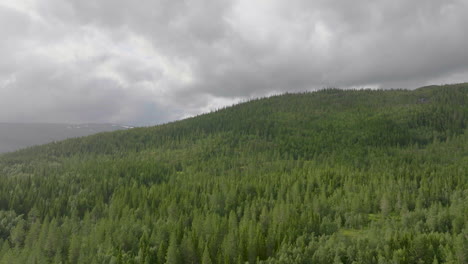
[332, 176]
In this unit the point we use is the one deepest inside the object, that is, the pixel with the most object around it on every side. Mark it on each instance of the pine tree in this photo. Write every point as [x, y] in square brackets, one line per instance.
[173, 253]
[74, 249]
[18, 234]
[206, 259]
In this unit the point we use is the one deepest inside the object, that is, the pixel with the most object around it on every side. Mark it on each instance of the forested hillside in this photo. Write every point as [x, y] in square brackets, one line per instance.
[323, 177]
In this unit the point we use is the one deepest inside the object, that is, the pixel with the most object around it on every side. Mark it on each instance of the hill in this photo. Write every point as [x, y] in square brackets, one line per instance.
[15, 136]
[323, 177]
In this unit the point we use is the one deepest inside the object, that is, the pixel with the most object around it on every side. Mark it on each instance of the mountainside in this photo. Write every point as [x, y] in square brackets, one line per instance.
[324, 177]
[15, 136]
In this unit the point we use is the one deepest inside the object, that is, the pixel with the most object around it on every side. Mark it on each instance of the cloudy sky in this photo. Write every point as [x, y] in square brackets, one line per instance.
[151, 61]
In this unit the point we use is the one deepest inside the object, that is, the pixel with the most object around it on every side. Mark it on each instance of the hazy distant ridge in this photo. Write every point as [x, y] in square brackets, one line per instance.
[15, 136]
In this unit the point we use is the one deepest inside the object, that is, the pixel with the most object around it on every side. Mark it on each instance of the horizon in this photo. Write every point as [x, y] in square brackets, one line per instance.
[156, 61]
[245, 100]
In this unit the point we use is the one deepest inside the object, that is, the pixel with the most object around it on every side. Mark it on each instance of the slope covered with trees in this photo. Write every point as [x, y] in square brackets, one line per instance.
[324, 177]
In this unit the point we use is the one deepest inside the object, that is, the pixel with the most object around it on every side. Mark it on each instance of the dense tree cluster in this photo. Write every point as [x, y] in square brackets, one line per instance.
[324, 177]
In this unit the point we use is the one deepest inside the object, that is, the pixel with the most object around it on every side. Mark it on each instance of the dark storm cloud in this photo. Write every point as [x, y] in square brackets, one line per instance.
[153, 61]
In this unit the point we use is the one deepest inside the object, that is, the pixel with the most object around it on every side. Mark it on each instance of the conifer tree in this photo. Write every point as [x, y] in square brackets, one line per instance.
[173, 253]
[206, 259]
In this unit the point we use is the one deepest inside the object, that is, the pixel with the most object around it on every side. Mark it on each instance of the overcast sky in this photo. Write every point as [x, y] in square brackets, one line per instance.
[151, 61]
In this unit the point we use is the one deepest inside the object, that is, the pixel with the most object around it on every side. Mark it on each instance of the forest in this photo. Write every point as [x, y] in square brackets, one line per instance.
[332, 176]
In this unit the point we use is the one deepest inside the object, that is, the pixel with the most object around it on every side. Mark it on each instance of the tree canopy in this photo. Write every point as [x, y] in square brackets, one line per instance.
[334, 176]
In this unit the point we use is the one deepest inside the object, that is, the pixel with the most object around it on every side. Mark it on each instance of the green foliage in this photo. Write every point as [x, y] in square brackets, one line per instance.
[324, 177]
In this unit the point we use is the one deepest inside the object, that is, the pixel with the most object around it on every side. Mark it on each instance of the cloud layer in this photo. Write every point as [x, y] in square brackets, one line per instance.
[149, 61]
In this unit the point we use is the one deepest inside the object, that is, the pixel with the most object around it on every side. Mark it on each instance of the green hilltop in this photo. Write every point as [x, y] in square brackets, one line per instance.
[334, 176]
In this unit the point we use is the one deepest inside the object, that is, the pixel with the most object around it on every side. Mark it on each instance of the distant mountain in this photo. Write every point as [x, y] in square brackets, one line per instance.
[15, 136]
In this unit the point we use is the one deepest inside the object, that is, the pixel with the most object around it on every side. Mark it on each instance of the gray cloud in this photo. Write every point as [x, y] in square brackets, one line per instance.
[155, 61]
